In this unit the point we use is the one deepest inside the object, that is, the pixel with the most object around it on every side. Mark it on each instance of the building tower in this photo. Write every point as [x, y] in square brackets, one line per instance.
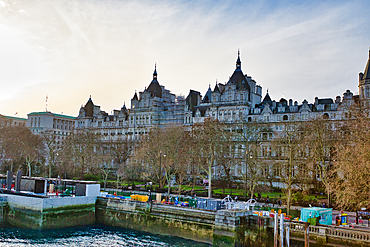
[364, 82]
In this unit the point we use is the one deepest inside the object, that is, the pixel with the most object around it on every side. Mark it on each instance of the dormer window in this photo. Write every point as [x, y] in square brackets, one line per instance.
[320, 107]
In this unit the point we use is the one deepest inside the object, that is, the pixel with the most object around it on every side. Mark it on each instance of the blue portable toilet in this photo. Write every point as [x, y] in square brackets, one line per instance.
[323, 214]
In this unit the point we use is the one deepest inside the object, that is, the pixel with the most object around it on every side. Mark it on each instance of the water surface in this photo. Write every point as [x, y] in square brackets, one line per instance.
[96, 235]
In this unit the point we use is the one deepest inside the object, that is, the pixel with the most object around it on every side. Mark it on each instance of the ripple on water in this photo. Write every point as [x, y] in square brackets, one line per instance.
[88, 236]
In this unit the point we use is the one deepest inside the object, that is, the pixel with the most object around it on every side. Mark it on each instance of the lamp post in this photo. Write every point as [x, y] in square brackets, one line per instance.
[160, 166]
[247, 155]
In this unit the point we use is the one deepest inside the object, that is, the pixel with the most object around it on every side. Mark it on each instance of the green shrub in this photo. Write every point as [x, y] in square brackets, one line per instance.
[298, 196]
[91, 177]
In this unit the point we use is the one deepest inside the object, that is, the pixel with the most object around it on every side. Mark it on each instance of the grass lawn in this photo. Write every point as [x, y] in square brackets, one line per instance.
[240, 192]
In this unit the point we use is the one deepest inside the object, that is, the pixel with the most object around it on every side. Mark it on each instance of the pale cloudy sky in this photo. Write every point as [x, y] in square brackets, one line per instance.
[70, 49]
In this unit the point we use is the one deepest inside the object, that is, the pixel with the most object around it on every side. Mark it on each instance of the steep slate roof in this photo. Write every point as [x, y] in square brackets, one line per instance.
[238, 77]
[216, 89]
[154, 87]
[89, 108]
[135, 97]
[367, 69]
[207, 97]
[267, 98]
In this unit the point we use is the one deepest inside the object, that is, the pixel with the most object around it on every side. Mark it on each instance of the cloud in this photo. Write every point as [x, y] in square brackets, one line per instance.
[108, 48]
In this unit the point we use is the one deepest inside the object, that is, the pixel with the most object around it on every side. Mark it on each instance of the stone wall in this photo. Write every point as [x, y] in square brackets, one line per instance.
[219, 228]
[50, 213]
[241, 228]
[156, 218]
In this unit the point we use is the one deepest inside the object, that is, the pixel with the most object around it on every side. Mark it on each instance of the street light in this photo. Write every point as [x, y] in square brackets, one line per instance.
[247, 155]
[160, 165]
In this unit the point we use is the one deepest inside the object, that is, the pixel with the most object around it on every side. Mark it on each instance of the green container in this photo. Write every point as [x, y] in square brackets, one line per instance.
[192, 202]
[312, 221]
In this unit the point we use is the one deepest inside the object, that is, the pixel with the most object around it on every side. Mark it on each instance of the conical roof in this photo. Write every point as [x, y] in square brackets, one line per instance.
[135, 97]
[267, 98]
[207, 97]
[89, 107]
[154, 88]
[367, 69]
[216, 89]
[238, 77]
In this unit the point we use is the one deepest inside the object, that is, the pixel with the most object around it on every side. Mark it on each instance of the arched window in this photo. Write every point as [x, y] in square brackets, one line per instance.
[285, 117]
[326, 116]
[249, 119]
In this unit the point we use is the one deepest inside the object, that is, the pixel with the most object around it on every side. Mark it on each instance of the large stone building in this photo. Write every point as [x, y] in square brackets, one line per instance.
[58, 125]
[12, 121]
[236, 101]
[156, 106]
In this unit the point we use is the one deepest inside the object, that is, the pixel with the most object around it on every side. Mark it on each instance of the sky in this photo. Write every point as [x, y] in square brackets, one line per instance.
[67, 50]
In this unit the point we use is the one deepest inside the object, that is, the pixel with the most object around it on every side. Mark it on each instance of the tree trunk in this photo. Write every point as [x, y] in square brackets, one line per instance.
[29, 167]
[49, 170]
[289, 199]
[209, 181]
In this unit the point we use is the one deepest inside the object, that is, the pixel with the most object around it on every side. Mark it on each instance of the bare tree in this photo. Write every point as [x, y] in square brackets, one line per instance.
[176, 155]
[318, 138]
[351, 169]
[116, 152]
[21, 146]
[11, 146]
[150, 154]
[81, 150]
[50, 141]
[209, 138]
[288, 151]
[249, 140]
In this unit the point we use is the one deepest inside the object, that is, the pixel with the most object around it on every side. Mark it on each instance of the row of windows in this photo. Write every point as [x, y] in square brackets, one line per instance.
[123, 133]
[279, 118]
[12, 123]
[277, 170]
[63, 124]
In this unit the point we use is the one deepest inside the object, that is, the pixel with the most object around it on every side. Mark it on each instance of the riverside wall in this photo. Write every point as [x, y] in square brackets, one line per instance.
[49, 213]
[156, 218]
[219, 228]
[231, 227]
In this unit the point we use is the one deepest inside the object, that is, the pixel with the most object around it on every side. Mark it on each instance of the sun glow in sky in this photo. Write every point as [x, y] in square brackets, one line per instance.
[70, 49]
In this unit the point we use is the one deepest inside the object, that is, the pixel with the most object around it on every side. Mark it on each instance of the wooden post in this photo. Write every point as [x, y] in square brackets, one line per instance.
[287, 235]
[276, 220]
[306, 234]
[282, 230]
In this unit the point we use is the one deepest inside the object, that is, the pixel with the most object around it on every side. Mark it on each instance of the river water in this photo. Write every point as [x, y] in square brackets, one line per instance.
[96, 235]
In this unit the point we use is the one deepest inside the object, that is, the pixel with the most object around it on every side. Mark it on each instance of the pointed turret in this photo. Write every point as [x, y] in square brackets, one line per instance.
[135, 97]
[124, 109]
[238, 77]
[367, 69]
[364, 81]
[155, 72]
[267, 98]
[89, 107]
[154, 87]
[207, 97]
[238, 62]
[216, 89]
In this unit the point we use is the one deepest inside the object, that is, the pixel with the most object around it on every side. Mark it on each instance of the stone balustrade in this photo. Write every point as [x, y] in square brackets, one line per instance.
[326, 234]
[349, 234]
